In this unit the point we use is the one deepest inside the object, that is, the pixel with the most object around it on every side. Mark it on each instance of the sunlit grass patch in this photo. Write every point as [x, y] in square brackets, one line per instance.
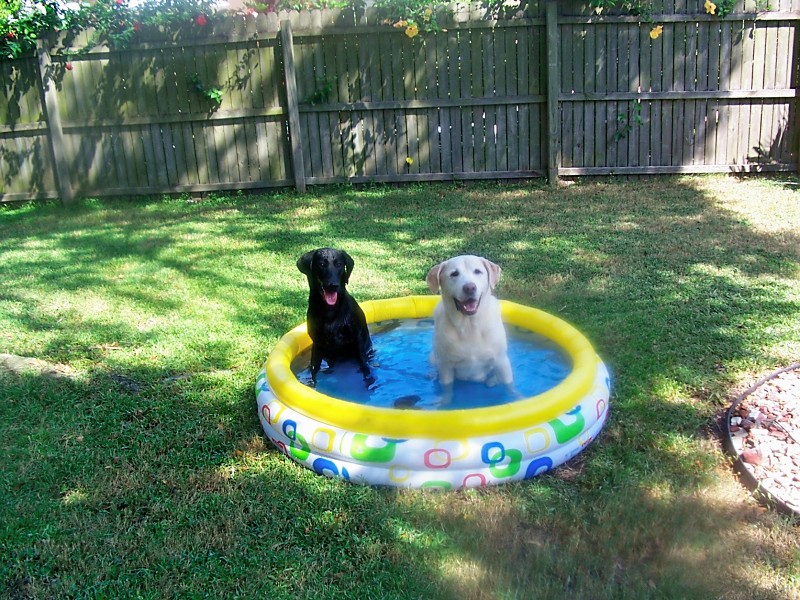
[142, 470]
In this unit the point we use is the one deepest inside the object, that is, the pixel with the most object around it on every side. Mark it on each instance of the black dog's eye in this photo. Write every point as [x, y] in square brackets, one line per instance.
[454, 273]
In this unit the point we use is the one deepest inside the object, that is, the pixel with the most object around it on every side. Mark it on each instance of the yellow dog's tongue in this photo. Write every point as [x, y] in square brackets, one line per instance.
[330, 297]
[469, 307]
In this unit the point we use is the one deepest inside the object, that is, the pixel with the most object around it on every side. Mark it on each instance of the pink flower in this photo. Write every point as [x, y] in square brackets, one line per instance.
[68, 66]
[201, 20]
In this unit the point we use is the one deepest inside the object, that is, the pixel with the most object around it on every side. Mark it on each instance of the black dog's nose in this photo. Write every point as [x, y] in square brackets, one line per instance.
[470, 288]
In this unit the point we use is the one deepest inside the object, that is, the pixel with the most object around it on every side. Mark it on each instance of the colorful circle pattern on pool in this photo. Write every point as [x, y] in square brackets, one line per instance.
[452, 460]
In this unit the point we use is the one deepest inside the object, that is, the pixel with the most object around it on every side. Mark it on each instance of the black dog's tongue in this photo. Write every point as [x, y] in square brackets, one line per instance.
[330, 297]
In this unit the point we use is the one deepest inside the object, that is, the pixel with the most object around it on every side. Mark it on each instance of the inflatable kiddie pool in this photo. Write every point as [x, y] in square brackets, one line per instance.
[444, 449]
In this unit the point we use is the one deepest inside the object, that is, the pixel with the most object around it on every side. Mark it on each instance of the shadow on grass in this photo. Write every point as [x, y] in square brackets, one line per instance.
[168, 484]
[178, 496]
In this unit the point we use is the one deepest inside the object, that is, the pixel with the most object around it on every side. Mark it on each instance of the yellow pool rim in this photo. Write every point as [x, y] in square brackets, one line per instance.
[405, 424]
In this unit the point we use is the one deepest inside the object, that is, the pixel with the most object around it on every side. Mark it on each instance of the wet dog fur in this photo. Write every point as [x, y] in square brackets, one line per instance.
[334, 320]
[469, 338]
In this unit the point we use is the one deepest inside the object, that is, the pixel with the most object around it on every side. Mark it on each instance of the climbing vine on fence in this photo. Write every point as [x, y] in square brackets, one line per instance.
[118, 22]
[644, 9]
[113, 22]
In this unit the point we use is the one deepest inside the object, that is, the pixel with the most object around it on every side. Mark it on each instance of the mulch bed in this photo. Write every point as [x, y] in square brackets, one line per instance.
[762, 427]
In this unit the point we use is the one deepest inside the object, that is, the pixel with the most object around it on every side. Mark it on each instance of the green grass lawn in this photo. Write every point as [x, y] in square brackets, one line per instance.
[143, 472]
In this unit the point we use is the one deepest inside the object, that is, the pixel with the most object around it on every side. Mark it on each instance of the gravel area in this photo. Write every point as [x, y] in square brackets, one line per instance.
[763, 429]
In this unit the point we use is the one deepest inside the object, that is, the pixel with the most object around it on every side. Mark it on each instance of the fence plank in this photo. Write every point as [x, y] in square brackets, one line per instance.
[292, 101]
[453, 115]
[426, 58]
[510, 80]
[553, 80]
[53, 118]
[426, 122]
[525, 51]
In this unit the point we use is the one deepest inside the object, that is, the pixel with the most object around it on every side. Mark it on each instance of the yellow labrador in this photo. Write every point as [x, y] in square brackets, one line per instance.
[469, 339]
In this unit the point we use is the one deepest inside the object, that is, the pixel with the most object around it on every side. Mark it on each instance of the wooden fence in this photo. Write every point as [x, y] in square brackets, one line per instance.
[545, 89]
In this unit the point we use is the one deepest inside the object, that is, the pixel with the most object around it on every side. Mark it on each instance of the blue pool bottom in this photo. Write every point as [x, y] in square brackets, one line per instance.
[404, 376]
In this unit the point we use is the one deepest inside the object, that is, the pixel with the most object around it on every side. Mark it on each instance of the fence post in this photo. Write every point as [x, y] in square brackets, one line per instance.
[55, 133]
[287, 46]
[553, 89]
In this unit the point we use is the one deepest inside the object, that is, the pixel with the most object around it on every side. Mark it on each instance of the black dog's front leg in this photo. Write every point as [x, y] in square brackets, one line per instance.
[366, 371]
[316, 363]
[364, 349]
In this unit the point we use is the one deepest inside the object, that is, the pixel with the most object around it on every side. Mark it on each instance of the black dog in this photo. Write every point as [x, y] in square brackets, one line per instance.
[335, 322]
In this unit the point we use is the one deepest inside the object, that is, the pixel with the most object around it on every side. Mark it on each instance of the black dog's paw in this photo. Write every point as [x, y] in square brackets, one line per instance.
[409, 401]
[370, 382]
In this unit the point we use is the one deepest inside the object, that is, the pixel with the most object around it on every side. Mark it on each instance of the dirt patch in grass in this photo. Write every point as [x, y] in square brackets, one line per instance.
[18, 365]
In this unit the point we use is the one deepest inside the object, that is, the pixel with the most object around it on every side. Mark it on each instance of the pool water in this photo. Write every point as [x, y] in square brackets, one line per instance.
[404, 377]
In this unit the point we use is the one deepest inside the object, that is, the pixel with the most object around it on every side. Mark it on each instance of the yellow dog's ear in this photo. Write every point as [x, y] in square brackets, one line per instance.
[494, 272]
[432, 278]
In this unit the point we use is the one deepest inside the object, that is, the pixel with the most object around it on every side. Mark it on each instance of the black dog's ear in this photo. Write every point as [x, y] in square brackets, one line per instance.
[304, 262]
[349, 263]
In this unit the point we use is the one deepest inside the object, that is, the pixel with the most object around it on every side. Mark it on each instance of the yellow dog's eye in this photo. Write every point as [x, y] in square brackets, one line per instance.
[454, 274]
[477, 271]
